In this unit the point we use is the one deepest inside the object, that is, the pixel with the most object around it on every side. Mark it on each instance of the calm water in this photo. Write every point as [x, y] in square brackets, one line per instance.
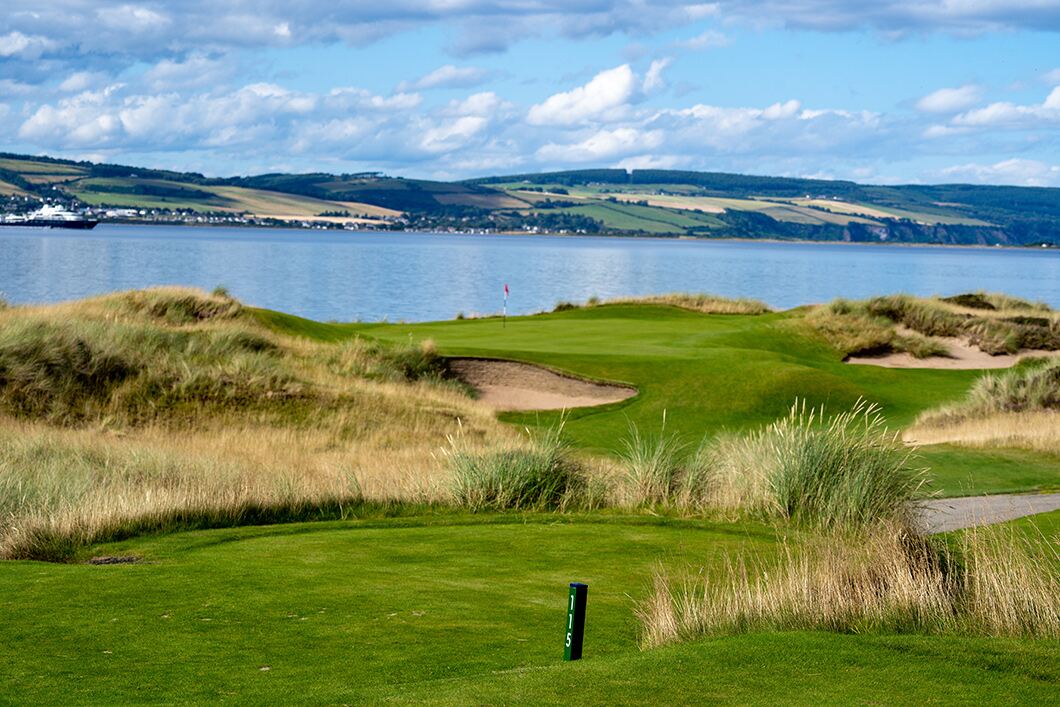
[372, 276]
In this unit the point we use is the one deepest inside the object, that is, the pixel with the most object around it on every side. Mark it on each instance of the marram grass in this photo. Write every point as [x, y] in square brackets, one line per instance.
[991, 582]
[846, 470]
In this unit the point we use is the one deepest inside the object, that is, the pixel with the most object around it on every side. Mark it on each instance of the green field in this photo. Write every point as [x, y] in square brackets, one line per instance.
[634, 217]
[97, 191]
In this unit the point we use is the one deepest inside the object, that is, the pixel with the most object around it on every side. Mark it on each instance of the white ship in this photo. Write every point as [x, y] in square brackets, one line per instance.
[49, 216]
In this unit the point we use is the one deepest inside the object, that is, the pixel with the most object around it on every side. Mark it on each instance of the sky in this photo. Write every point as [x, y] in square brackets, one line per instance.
[877, 91]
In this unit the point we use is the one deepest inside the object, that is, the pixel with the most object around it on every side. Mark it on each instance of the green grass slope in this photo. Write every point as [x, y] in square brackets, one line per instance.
[455, 611]
[708, 374]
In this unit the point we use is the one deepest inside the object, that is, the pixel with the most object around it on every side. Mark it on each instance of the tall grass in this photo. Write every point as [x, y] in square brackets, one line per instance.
[700, 302]
[697, 302]
[992, 583]
[540, 474]
[652, 465]
[843, 471]
[1031, 387]
[1017, 408]
[852, 329]
[61, 490]
[171, 407]
[175, 355]
[997, 324]
[1036, 431]
[658, 470]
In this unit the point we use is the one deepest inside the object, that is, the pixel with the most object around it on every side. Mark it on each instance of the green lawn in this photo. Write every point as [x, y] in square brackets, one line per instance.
[451, 610]
[960, 471]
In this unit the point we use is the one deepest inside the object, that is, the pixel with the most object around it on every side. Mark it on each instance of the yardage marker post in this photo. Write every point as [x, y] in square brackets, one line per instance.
[572, 649]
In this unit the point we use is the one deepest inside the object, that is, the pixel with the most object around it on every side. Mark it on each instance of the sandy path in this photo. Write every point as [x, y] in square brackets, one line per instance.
[509, 385]
[963, 356]
[943, 514]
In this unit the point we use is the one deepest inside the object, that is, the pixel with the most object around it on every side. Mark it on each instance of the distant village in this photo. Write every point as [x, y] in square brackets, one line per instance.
[434, 223]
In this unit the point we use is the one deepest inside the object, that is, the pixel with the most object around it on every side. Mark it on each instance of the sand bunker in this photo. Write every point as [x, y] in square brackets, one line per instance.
[508, 385]
[962, 356]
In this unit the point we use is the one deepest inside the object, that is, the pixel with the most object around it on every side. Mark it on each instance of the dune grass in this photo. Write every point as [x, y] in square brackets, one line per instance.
[844, 471]
[1018, 408]
[1035, 431]
[700, 302]
[1031, 387]
[308, 416]
[694, 302]
[163, 409]
[989, 582]
[538, 474]
[997, 324]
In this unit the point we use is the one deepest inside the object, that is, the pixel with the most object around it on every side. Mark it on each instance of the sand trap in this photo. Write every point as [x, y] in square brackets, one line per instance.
[962, 356]
[509, 385]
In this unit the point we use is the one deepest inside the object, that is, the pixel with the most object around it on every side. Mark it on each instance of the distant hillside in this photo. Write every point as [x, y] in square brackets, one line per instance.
[605, 201]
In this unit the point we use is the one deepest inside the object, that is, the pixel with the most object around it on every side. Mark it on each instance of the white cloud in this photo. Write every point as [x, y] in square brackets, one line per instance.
[950, 100]
[132, 18]
[787, 109]
[653, 79]
[1052, 77]
[603, 145]
[81, 81]
[608, 92]
[21, 46]
[196, 70]
[448, 76]
[486, 104]
[654, 162]
[710, 39]
[94, 119]
[10, 88]
[348, 98]
[935, 132]
[454, 134]
[83, 120]
[1021, 172]
[1006, 114]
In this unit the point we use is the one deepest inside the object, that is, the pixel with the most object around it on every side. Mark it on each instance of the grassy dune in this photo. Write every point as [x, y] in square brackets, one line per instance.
[173, 408]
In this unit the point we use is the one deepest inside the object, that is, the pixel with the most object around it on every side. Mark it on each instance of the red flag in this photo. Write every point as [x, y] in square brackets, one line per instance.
[505, 289]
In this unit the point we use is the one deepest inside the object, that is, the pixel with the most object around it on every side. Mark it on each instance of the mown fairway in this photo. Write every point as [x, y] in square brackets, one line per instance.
[709, 374]
[455, 610]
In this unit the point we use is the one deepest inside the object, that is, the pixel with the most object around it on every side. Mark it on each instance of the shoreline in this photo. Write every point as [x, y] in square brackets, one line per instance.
[523, 234]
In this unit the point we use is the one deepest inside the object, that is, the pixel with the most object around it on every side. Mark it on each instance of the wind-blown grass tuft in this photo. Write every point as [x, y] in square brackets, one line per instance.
[540, 475]
[1031, 387]
[652, 466]
[992, 583]
[844, 471]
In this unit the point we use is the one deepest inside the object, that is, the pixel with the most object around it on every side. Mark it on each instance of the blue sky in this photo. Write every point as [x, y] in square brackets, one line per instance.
[886, 91]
